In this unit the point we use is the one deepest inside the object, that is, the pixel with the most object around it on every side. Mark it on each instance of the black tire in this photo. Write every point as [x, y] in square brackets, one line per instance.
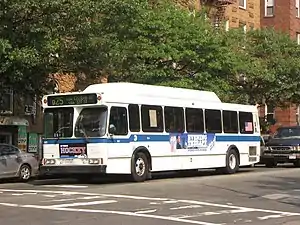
[297, 163]
[25, 173]
[271, 164]
[139, 167]
[232, 162]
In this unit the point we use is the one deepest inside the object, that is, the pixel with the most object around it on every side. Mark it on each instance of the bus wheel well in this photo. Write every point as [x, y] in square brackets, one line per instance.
[234, 148]
[146, 152]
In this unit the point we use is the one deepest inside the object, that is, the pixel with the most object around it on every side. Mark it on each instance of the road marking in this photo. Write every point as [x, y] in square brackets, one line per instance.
[89, 197]
[191, 202]
[270, 216]
[239, 207]
[49, 192]
[116, 213]
[170, 201]
[61, 200]
[216, 213]
[82, 204]
[147, 211]
[136, 197]
[17, 194]
[275, 196]
[50, 196]
[66, 186]
[186, 207]
[73, 199]
[9, 204]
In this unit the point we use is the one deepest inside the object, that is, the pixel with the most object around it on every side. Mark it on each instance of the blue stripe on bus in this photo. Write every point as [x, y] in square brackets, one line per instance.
[148, 138]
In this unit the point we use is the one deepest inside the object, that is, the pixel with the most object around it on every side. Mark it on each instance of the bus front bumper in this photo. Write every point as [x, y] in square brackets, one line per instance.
[91, 169]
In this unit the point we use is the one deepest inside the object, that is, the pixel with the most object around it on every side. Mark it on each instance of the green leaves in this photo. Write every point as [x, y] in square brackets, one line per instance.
[154, 42]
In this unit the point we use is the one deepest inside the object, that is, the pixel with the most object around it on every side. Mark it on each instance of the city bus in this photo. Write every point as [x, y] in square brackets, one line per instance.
[137, 129]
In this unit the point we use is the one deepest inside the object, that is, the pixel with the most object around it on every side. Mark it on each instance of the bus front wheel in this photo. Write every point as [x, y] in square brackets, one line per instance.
[139, 167]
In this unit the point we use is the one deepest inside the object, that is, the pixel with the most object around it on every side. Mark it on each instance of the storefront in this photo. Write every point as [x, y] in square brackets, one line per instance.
[13, 130]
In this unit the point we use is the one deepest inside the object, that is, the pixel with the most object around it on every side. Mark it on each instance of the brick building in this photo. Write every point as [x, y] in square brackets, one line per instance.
[235, 13]
[283, 15]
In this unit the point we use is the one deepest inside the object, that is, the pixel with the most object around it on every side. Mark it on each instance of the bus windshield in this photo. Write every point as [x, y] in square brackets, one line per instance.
[58, 122]
[91, 122]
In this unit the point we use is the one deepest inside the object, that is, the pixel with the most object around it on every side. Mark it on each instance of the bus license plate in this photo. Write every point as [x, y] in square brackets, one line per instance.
[66, 161]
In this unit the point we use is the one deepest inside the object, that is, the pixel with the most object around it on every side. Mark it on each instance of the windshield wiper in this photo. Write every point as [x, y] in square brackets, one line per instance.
[85, 135]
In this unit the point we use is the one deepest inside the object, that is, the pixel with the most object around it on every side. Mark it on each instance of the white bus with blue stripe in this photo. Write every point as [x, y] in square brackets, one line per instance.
[128, 128]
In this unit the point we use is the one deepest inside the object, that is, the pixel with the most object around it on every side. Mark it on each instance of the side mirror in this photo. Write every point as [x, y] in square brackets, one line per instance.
[112, 129]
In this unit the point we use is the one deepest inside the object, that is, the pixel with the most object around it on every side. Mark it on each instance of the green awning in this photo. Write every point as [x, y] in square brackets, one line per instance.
[13, 121]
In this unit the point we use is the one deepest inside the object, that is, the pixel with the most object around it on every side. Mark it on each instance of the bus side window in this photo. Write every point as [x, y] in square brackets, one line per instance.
[246, 122]
[152, 118]
[194, 120]
[213, 121]
[118, 117]
[134, 118]
[174, 120]
[230, 122]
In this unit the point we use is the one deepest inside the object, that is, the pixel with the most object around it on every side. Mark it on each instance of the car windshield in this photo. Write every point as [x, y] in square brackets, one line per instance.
[290, 132]
[91, 122]
[58, 122]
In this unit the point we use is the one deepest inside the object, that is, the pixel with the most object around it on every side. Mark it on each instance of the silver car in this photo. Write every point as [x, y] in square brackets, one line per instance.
[16, 163]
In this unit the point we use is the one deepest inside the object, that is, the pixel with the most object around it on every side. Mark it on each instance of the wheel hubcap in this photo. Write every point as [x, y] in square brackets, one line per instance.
[25, 173]
[140, 167]
[232, 161]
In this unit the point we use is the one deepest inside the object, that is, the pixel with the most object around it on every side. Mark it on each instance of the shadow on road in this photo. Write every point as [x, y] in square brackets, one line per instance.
[117, 179]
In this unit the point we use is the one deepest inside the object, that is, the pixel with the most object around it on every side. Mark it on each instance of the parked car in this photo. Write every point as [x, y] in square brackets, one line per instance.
[16, 163]
[283, 147]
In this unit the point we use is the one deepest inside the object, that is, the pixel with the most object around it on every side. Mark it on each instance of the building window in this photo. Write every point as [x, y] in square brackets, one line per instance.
[227, 25]
[270, 113]
[269, 7]
[30, 105]
[243, 26]
[297, 8]
[242, 4]
[6, 102]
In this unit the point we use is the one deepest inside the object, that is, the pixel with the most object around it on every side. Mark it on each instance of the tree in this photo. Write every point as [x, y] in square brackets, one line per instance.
[158, 43]
[269, 65]
[35, 35]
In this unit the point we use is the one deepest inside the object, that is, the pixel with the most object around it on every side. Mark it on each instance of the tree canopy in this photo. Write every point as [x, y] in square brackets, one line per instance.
[155, 42]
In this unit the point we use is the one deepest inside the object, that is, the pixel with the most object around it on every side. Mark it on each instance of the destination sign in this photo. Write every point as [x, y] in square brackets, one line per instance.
[76, 99]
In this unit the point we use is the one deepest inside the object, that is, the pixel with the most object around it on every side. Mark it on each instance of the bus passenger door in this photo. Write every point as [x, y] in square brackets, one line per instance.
[118, 150]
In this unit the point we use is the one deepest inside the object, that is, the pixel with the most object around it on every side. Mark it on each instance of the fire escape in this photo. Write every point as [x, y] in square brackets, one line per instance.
[218, 7]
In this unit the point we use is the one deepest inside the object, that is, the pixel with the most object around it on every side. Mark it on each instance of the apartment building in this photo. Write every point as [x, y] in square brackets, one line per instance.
[283, 15]
[235, 13]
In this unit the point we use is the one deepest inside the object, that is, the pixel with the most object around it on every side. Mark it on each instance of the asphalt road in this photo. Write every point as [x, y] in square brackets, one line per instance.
[254, 196]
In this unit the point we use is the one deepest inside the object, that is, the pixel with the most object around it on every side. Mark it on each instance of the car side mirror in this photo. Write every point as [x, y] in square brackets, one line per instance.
[112, 129]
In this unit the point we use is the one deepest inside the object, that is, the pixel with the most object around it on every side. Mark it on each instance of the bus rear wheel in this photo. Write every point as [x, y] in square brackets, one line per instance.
[139, 167]
[232, 162]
